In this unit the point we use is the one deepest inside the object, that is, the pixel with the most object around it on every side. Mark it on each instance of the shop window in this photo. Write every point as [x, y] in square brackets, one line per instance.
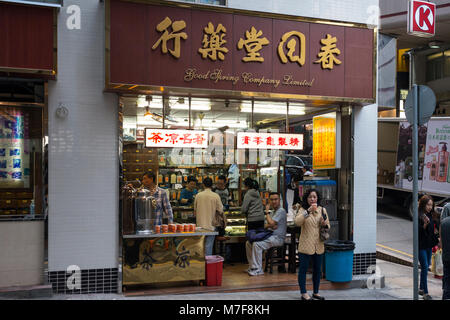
[213, 2]
[22, 181]
[447, 63]
[56, 3]
[435, 66]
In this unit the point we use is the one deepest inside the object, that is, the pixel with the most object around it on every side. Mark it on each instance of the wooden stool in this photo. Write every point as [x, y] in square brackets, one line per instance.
[220, 240]
[276, 256]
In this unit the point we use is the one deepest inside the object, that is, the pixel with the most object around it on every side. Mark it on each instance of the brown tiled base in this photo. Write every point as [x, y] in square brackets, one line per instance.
[234, 279]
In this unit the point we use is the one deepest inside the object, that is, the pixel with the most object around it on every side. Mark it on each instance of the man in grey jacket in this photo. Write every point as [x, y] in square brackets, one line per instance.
[252, 205]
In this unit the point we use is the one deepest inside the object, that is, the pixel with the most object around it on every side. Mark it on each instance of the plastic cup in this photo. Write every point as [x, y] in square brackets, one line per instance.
[172, 227]
[165, 228]
[179, 228]
[157, 229]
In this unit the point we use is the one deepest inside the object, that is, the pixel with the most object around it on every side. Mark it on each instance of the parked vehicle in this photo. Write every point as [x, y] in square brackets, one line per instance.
[394, 172]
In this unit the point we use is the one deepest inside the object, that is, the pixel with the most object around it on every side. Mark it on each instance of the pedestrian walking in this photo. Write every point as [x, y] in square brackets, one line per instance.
[427, 240]
[252, 205]
[311, 217]
[445, 245]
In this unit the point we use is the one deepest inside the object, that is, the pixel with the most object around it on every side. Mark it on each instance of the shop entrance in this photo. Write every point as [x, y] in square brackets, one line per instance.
[223, 158]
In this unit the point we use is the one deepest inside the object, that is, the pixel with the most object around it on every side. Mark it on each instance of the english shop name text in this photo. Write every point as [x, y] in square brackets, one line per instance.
[217, 75]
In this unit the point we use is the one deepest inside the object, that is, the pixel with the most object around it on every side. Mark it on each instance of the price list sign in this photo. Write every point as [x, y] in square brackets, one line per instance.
[324, 143]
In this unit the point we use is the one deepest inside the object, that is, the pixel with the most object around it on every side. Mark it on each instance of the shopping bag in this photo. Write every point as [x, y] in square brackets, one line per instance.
[439, 271]
[433, 263]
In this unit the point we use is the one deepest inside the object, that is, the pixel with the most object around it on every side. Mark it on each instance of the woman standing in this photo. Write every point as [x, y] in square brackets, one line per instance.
[427, 241]
[252, 205]
[311, 217]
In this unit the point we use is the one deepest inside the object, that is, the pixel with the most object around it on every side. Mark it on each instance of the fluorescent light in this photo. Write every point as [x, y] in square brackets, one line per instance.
[156, 102]
[194, 107]
[274, 109]
[221, 123]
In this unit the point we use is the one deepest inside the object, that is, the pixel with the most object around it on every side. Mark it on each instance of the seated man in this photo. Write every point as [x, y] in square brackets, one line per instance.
[276, 222]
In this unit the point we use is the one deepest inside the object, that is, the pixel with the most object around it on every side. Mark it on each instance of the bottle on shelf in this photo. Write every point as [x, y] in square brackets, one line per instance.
[179, 177]
[173, 178]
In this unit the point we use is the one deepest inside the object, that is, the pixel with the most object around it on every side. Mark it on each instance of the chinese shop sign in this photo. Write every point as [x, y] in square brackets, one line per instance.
[232, 51]
[161, 138]
[325, 146]
[253, 140]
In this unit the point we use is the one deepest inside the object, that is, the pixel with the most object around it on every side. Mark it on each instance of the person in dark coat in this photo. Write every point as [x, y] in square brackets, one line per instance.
[427, 240]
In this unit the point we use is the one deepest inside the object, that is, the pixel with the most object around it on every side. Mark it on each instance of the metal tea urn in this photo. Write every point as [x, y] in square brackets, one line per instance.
[145, 213]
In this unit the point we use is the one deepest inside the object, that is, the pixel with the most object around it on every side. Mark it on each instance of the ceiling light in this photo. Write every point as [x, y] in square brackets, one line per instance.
[434, 44]
[148, 114]
[274, 109]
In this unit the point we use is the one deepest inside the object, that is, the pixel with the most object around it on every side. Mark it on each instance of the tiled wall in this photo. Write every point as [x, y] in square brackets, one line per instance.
[365, 179]
[83, 148]
[92, 281]
[362, 261]
[360, 11]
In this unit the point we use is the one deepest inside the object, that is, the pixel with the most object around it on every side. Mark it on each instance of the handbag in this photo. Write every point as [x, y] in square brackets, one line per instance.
[256, 235]
[324, 232]
[219, 219]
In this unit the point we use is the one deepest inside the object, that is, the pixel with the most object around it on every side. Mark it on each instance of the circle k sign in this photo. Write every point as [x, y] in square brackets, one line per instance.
[421, 18]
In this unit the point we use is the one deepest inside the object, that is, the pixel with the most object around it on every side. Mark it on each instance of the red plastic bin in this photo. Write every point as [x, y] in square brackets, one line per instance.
[214, 266]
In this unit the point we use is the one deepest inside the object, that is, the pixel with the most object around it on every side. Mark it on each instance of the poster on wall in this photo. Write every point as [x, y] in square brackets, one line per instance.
[14, 150]
[403, 169]
[436, 177]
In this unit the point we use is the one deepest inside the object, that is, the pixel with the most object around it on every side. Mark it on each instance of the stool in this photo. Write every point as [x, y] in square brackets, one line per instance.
[276, 256]
[220, 241]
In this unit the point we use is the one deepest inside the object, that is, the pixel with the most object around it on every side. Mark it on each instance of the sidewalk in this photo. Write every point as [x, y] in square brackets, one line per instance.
[398, 286]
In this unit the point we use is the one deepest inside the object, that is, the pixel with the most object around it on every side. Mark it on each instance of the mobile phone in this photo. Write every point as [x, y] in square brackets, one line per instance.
[324, 216]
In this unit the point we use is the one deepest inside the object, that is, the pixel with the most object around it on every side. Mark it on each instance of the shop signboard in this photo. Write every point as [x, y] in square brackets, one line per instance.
[236, 53]
[273, 141]
[436, 177]
[326, 142]
[162, 138]
[421, 18]
[25, 30]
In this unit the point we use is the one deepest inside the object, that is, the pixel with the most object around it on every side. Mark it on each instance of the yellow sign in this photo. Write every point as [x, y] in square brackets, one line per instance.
[324, 143]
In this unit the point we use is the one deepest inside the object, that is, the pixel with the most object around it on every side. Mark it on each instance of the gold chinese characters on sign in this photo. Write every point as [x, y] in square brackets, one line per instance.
[292, 45]
[174, 35]
[213, 40]
[253, 44]
[329, 49]
[291, 48]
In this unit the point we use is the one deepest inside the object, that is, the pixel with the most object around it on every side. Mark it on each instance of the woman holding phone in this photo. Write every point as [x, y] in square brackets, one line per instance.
[310, 218]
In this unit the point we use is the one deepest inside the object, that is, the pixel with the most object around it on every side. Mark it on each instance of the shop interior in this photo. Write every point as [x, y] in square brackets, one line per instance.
[225, 118]
[22, 150]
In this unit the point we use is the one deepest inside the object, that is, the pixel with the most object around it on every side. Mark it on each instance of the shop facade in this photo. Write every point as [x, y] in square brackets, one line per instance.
[23, 126]
[190, 90]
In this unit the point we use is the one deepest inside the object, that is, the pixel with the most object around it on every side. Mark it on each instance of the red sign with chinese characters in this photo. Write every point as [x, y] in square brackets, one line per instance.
[182, 47]
[254, 140]
[162, 138]
[421, 18]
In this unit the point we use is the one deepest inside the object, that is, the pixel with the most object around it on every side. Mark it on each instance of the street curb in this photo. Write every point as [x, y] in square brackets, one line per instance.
[26, 292]
[394, 258]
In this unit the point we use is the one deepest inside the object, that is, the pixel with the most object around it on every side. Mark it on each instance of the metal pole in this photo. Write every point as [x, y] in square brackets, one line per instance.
[415, 191]
[415, 177]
